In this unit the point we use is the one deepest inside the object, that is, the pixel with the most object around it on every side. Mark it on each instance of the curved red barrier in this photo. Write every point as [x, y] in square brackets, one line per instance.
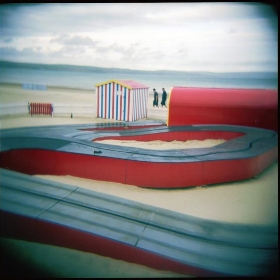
[246, 107]
[247, 153]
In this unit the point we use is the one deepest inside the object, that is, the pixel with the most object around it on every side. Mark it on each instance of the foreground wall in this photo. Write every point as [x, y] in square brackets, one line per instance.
[247, 107]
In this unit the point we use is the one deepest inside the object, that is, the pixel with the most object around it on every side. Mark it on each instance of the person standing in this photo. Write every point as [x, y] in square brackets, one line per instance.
[155, 102]
[164, 97]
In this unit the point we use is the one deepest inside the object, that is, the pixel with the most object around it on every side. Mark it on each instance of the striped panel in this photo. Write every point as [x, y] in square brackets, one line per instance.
[136, 104]
[113, 100]
[146, 97]
[140, 104]
[124, 104]
[121, 105]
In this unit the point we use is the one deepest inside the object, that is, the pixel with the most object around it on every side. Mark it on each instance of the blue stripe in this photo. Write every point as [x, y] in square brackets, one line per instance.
[124, 104]
[117, 104]
[102, 101]
[133, 105]
[109, 101]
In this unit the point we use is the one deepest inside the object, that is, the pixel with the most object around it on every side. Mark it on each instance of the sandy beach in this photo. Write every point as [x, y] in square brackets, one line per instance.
[253, 201]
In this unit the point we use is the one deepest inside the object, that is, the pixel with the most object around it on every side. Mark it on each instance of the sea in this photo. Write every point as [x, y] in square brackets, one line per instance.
[86, 77]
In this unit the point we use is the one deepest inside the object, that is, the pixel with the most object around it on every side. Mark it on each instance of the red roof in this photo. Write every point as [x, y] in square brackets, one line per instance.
[132, 84]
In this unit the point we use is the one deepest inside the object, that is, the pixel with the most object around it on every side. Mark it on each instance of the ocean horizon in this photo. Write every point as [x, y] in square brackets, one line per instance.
[86, 77]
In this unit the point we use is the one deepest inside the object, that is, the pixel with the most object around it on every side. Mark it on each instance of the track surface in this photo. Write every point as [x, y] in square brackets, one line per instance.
[53, 213]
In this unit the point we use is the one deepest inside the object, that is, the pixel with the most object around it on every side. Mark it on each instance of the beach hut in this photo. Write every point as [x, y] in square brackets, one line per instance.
[124, 100]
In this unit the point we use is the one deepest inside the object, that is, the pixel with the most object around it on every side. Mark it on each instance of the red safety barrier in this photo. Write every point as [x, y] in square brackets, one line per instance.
[248, 107]
[40, 109]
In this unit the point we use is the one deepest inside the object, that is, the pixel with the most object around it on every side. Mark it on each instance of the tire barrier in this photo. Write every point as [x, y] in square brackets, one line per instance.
[40, 109]
[246, 107]
[44, 211]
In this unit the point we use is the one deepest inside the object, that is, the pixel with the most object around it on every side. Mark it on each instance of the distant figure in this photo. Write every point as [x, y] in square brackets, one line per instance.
[155, 102]
[163, 99]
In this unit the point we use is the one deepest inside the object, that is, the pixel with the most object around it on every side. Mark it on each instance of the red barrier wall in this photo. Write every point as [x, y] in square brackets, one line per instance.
[126, 171]
[19, 227]
[248, 107]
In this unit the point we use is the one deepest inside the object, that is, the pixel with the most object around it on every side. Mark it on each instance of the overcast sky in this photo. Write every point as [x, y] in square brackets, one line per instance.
[145, 36]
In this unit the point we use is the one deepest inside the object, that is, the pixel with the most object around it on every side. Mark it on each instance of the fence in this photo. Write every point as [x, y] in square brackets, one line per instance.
[40, 109]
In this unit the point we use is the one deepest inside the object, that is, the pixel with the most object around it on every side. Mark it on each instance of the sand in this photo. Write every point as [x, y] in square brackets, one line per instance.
[253, 201]
[13, 93]
[163, 145]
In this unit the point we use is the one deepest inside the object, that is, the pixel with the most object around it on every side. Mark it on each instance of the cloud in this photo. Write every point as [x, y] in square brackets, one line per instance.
[74, 40]
[175, 36]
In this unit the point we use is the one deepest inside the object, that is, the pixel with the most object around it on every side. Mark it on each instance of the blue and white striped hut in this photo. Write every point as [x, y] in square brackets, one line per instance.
[123, 100]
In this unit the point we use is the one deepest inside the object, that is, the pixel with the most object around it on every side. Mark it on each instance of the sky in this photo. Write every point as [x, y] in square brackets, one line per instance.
[209, 36]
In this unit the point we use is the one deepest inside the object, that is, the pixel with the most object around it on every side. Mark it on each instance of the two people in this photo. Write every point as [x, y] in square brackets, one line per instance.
[163, 98]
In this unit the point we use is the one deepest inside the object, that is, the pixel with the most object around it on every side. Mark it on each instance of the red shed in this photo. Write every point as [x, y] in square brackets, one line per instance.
[248, 107]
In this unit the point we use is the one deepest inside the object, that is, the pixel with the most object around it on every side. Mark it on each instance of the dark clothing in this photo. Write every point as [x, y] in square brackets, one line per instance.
[155, 102]
[163, 99]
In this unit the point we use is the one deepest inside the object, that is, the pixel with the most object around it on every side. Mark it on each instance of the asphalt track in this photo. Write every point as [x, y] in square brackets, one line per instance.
[71, 150]
[53, 213]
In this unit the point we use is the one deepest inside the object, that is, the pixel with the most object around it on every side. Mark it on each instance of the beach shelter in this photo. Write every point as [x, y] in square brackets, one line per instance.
[123, 100]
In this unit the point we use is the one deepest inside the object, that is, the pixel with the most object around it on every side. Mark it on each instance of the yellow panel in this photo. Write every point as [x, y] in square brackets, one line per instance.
[168, 106]
[104, 83]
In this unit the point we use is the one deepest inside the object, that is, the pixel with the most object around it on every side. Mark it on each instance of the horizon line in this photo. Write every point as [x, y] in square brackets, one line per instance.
[136, 70]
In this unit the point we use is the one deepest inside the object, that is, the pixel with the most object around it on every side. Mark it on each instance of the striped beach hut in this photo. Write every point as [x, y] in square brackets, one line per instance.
[123, 100]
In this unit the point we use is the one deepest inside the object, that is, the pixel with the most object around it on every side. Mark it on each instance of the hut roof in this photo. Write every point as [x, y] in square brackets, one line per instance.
[130, 84]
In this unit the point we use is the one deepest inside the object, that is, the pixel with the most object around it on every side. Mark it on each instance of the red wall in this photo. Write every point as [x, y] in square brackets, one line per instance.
[248, 107]
[139, 173]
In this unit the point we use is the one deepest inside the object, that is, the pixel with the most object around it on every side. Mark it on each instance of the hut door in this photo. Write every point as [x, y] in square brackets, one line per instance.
[121, 104]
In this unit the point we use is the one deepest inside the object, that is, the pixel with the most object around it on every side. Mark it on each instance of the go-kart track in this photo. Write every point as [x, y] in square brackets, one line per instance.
[53, 213]
[71, 150]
